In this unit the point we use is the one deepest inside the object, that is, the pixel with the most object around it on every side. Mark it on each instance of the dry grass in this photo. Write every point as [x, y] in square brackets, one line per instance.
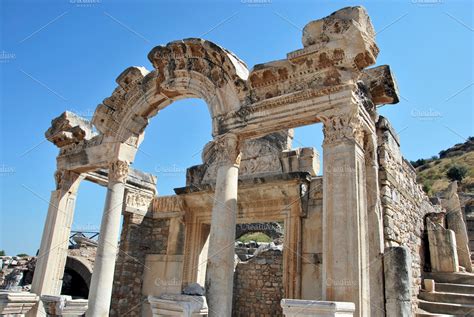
[433, 175]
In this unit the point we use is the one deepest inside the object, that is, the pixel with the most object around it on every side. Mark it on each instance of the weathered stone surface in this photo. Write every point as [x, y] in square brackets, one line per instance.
[398, 281]
[300, 160]
[194, 289]
[381, 84]
[64, 305]
[442, 245]
[455, 222]
[297, 307]
[150, 237]
[258, 285]
[178, 305]
[259, 156]
[348, 24]
[404, 203]
[69, 128]
[16, 303]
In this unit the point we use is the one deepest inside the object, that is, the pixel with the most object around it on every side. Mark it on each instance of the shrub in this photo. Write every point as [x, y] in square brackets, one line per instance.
[427, 188]
[418, 163]
[456, 172]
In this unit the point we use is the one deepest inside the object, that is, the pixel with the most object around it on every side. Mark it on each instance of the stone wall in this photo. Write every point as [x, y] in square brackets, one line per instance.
[136, 241]
[258, 285]
[404, 203]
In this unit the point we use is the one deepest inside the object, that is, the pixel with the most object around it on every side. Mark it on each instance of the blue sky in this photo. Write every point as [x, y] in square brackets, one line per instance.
[65, 55]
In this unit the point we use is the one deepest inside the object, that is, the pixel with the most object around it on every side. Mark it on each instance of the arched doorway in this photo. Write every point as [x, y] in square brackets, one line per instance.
[77, 277]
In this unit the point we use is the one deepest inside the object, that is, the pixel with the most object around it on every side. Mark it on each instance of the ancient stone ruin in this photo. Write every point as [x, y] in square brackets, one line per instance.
[354, 241]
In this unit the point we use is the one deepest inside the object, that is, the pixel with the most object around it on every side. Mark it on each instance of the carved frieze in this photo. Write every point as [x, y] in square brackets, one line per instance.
[138, 199]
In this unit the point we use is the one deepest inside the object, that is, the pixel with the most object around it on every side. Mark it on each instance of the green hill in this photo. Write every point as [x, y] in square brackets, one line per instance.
[432, 173]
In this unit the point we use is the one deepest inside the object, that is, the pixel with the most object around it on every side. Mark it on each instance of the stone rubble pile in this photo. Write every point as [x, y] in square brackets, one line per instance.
[16, 272]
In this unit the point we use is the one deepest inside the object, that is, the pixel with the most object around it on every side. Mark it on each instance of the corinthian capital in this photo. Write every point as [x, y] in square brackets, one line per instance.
[343, 128]
[118, 171]
[227, 149]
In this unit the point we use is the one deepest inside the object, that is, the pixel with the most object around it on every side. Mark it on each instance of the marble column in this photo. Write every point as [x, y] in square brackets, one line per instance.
[103, 274]
[52, 255]
[220, 262]
[345, 231]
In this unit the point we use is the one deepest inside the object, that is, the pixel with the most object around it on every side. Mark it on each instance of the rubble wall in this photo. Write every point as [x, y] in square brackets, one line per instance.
[258, 285]
[404, 204]
[136, 241]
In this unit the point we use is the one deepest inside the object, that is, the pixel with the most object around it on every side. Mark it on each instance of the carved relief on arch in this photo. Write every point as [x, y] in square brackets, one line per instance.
[202, 61]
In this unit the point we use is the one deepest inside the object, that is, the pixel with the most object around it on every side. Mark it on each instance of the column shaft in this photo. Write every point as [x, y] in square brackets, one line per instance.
[345, 235]
[220, 263]
[103, 274]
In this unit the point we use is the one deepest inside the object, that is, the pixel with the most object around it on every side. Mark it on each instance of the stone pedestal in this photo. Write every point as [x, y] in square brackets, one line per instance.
[52, 255]
[220, 262]
[103, 274]
[63, 305]
[178, 305]
[345, 225]
[299, 308]
[16, 303]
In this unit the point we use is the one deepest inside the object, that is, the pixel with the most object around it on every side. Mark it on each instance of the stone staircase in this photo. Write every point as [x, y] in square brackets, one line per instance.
[453, 295]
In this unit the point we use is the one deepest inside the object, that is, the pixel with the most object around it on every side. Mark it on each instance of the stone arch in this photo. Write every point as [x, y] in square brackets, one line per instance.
[190, 68]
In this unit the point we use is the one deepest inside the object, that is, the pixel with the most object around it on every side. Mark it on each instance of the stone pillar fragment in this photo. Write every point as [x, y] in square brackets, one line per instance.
[220, 263]
[345, 236]
[442, 246]
[455, 222]
[103, 274]
[398, 281]
[52, 255]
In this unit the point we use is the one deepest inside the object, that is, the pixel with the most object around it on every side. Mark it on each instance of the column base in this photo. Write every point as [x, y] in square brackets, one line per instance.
[178, 305]
[63, 305]
[16, 303]
[299, 307]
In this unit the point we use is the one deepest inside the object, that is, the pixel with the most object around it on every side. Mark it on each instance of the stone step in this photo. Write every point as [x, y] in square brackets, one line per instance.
[452, 278]
[422, 313]
[426, 314]
[447, 308]
[451, 298]
[454, 288]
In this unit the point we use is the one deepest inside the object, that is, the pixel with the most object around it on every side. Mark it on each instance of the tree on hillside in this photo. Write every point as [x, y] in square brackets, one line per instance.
[456, 172]
[2, 252]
